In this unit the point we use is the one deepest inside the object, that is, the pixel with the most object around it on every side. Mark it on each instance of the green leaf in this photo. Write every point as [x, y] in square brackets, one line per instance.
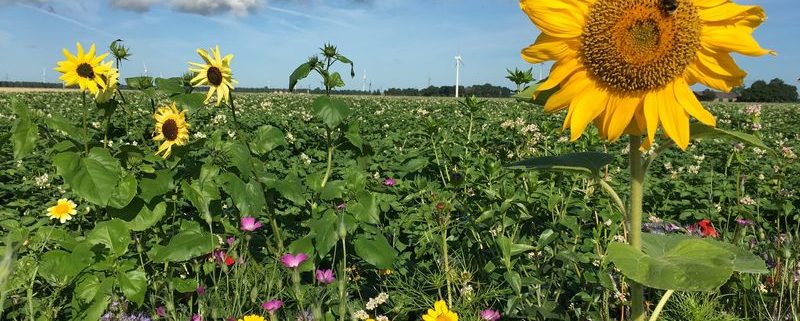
[93, 177]
[134, 285]
[585, 162]
[324, 231]
[170, 86]
[24, 133]
[248, 198]
[333, 190]
[331, 111]
[191, 242]
[60, 267]
[140, 83]
[354, 137]
[291, 188]
[743, 262]
[124, 193]
[376, 250]
[114, 234]
[184, 285]
[526, 94]
[200, 192]
[685, 264]
[159, 185]
[58, 123]
[344, 59]
[86, 289]
[140, 216]
[699, 131]
[239, 156]
[191, 102]
[415, 165]
[366, 210]
[334, 80]
[266, 139]
[301, 72]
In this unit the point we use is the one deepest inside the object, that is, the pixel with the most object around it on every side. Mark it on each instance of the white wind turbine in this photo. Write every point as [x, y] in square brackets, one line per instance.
[364, 85]
[459, 63]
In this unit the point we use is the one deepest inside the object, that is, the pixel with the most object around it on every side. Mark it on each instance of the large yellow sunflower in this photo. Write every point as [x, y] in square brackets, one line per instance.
[627, 65]
[214, 73]
[84, 69]
[171, 127]
[440, 312]
[111, 79]
[63, 210]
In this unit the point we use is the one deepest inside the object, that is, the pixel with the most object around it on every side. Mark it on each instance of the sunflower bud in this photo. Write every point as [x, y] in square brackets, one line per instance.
[329, 50]
[119, 51]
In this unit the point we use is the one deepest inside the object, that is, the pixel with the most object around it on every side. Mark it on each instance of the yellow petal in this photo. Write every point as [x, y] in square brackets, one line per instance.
[651, 101]
[585, 108]
[673, 118]
[571, 88]
[548, 47]
[732, 38]
[689, 102]
[560, 70]
[560, 18]
[619, 114]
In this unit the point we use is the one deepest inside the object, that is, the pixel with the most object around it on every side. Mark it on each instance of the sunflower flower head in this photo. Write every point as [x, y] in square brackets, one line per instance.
[111, 79]
[626, 65]
[171, 128]
[63, 210]
[440, 312]
[215, 72]
[84, 69]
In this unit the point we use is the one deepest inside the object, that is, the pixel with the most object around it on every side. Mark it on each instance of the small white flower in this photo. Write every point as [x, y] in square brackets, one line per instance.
[361, 315]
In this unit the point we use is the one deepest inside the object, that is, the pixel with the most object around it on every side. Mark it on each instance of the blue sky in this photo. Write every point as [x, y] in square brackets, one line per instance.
[399, 43]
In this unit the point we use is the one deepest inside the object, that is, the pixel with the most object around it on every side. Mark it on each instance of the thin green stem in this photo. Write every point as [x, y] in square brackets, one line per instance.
[329, 168]
[635, 221]
[343, 281]
[85, 125]
[661, 305]
[446, 258]
[614, 196]
[277, 232]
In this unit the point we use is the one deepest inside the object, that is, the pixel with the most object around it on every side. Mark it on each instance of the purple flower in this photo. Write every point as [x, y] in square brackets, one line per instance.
[293, 261]
[389, 182]
[743, 222]
[230, 240]
[272, 305]
[201, 290]
[196, 317]
[219, 256]
[341, 206]
[490, 315]
[250, 224]
[161, 311]
[325, 276]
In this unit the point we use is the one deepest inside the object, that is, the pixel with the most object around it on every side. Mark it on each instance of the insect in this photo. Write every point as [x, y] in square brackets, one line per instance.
[669, 6]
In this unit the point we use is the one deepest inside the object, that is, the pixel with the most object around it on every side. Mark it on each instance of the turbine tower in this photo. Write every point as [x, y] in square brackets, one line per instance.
[459, 63]
[364, 85]
[145, 68]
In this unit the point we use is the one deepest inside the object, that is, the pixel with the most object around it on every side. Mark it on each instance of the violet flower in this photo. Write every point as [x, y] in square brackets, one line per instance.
[161, 311]
[250, 224]
[272, 305]
[325, 276]
[490, 315]
[743, 222]
[293, 261]
[389, 182]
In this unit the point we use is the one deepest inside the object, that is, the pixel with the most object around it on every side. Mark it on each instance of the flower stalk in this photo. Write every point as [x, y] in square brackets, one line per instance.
[635, 220]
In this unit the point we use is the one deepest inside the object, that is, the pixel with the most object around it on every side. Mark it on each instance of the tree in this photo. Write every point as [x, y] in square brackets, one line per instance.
[707, 95]
[520, 77]
[774, 91]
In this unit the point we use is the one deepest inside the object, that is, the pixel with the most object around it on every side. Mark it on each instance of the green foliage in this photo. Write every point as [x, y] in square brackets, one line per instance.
[774, 91]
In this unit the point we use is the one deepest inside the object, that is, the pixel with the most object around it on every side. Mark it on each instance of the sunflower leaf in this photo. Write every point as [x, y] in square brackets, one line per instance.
[331, 111]
[584, 162]
[25, 133]
[301, 72]
[699, 130]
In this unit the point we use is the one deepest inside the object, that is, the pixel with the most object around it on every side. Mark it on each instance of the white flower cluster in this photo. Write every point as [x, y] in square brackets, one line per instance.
[373, 303]
[42, 182]
[219, 119]
[747, 200]
[360, 315]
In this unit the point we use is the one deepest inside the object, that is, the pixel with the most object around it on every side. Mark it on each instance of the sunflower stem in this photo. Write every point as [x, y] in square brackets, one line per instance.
[635, 221]
[85, 126]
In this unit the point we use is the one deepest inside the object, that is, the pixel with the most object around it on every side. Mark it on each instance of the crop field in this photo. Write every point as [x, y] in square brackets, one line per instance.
[380, 209]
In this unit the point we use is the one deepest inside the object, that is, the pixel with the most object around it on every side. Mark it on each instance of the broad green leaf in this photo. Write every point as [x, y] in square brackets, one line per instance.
[93, 178]
[200, 192]
[743, 262]
[301, 72]
[690, 264]
[366, 210]
[585, 162]
[239, 156]
[291, 188]
[699, 131]
[324, 231]
[248, 198]
[159, 185]
[60, 267]
[331, 111]
[140, 216]
[184, 285]
[58, 123]
[266, 139]
[170, 86]
[99, 304]
[124, 193]
[191, 102]
[86, 289]
[415, 165]
[140, 83]
[114, 234]
[134, 285]
[24, 133]
[514, 280]
[344, 59]
[334, 80]
[333, 190]
[191, 242]
[354, 137]
[375, 250]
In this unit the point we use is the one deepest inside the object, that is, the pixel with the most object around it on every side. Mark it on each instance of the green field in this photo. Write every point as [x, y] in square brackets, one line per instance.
[457, 223]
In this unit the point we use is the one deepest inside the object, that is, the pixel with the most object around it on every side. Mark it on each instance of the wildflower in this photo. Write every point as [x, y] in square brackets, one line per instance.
[230, 240]
[293, 261]
[196, 317]
[272, 306]
[440, 312]
[171, 127]
[381, 318]
[161, 311]
[361, 315]
[84, 69]
[627, 66]
[341, 206]
[249, 224]
[747, 200]
[744, 222]
[63, 210]
[229, 260]
[252, 317]
[325, 276]
[373, 303]
[201, 290]
[490, 315]
[111, 79]
[389, 182]
[215, 73]
[707, 229]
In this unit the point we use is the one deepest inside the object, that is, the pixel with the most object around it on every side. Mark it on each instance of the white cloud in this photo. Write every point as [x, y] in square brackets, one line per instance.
[201, 7]
[132, 5]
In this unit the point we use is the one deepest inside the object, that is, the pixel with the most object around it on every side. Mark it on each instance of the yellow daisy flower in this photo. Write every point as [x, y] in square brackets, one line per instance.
[111, 79]
[627, 65]
[84, 69]
[214, 73]
[252, 317]
[63, 210]
[171, 127]
[440, 312]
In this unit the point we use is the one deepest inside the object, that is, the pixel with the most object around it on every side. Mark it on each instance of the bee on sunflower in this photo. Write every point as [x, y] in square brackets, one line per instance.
[627, 65]
[84, 69]
[171, 128]
[215, 73]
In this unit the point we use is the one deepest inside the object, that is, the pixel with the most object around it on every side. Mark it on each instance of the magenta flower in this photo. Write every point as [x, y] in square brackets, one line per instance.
[196, 317]
[341, 206]
[201, 290]
[272, 305]
[744, 222]
[229, 240]
[293, 261]
[325, 276]
[389, 182]
[250, 224]
[161, 311]
[490, 315]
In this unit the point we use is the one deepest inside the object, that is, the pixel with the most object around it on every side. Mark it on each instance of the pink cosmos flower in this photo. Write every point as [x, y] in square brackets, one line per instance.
[325, 276]
[490, 315]
[250, 224]
[293, 261]
[272, 305]
[389, 182]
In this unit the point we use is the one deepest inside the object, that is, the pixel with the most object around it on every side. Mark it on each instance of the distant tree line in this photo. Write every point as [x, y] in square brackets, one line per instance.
[29, 84]
[776, 91]
[485, 90]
